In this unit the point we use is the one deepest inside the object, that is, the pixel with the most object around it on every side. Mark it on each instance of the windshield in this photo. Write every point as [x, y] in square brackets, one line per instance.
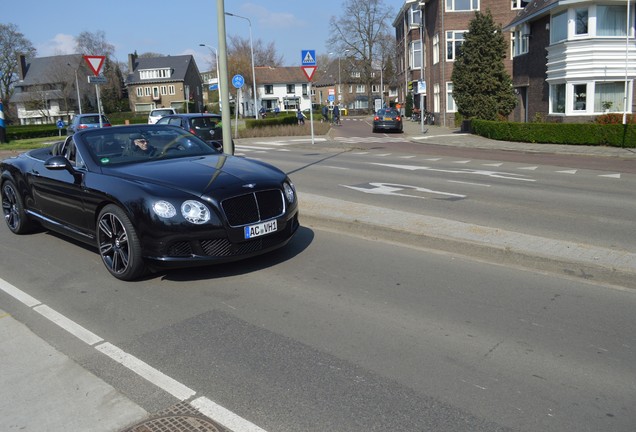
[122, 145]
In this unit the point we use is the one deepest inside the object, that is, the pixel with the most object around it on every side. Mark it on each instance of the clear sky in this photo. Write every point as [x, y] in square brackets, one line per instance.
[156, 26]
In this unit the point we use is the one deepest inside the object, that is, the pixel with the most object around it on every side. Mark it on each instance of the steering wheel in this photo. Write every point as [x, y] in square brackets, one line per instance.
[173, 146]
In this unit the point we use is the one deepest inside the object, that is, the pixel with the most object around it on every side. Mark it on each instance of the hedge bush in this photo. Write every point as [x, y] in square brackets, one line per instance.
[279, 120]
[614, 135]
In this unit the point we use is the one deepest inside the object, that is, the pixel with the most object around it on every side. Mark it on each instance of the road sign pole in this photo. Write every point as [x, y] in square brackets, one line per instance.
[99, 104]
[236, 106]
[311, 113]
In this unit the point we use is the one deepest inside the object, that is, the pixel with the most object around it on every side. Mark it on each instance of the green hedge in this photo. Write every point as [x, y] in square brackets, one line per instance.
[614, 135]
[279, 120]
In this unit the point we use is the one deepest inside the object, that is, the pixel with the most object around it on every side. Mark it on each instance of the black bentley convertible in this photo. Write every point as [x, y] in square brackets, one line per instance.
[150, 196]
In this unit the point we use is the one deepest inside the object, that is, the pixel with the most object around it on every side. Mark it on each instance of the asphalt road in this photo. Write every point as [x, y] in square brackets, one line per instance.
[347, 333]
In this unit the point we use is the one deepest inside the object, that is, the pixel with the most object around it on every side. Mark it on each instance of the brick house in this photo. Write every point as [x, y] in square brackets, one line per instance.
[429, 34]
[170, 81]
[572, 60]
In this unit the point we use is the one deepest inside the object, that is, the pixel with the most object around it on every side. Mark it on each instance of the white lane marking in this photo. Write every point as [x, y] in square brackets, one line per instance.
[568, 171]
[494, 164]
[154, 376]
[494, 174]
[17, 294]
[461, 162]
[223, 416]
[530, 168]
[433, 159]
[146, 371]
[468, 183]
[392, 189]
[407, 157]
[247, 147]
[610, 175]
[70, 326]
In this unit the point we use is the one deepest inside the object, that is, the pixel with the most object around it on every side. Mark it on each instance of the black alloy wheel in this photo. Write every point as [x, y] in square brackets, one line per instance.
[13, 209]
[118, 244]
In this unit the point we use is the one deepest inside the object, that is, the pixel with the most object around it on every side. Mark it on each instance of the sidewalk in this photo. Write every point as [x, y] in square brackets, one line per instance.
[441, 135]
[44, 390]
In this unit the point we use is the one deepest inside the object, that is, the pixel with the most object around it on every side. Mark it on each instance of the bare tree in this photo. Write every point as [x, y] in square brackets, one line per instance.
[359, 30]
[12, 43]
[240, 57]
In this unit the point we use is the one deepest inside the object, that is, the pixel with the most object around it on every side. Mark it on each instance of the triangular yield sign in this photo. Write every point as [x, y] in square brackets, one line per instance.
[309, 71]
[95, 63]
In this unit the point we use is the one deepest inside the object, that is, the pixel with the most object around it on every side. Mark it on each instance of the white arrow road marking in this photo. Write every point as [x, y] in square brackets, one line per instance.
[393, 189]
[610, 175]
[568, 172]
[494, 174]
[493, 164]
[531, 168]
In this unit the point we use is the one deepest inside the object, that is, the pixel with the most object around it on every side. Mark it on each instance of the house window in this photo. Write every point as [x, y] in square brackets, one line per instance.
[462, 5]
[269, 89]
[580, 97]
[450, 102]
[140, 91]
[164, 90]
[147, 91]
[521, 40]
[415, 54]
[360, 88]
[415, 15]
[454, 41]
[436, 48]
[155, 92]
[155, 73]
[557, 98]
[608, 96]
[171, 90]
[291, 88]
[518, 4]
[436, 107]
[304, 89]
[581, 21]
[610, 21]
[559, 27]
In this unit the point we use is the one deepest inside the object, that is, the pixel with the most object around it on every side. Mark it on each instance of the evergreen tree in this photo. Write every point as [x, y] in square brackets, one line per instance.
[482, 87]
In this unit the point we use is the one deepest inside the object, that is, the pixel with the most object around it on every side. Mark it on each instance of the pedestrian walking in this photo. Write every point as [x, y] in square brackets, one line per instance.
[301, 117]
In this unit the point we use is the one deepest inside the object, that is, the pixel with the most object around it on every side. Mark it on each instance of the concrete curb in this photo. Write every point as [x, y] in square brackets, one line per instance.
[512, 248]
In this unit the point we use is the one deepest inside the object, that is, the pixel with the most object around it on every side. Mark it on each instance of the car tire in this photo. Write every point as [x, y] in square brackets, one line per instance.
[13, 209]
[119, 244]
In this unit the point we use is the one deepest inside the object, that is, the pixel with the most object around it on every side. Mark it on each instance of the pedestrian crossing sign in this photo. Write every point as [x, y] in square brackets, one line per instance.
[308, 57]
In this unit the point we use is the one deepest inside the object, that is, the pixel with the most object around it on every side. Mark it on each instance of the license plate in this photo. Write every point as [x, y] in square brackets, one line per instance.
[260, 229]
[387, 119]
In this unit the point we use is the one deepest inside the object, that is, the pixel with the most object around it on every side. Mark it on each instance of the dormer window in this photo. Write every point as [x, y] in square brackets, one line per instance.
[155, 73]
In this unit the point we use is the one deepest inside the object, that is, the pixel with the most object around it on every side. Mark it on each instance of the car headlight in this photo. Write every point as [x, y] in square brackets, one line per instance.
[290, 192]
[164, 209]
[195, 212]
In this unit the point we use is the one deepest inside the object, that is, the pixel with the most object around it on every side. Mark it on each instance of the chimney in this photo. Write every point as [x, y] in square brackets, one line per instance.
[22, 66]
[132, 59]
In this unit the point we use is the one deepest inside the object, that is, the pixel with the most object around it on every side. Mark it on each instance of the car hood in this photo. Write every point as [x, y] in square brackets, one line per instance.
[204, 175]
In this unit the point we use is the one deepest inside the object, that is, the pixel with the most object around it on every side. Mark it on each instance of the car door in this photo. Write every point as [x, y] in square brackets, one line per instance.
[58, 194]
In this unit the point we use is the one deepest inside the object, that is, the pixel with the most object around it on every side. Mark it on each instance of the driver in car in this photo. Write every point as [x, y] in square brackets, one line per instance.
[140, 145]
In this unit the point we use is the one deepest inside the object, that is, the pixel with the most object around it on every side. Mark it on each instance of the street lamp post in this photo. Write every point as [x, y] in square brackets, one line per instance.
[216, 56]
[79, 101]
[256, 113]
[339, 81]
